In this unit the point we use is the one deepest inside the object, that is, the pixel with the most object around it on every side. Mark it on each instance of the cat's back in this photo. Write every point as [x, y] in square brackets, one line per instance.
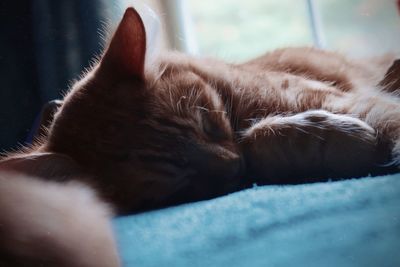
[331, 67]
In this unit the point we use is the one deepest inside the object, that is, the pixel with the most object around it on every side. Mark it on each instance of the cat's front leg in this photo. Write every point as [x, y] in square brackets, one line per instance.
[311, 146]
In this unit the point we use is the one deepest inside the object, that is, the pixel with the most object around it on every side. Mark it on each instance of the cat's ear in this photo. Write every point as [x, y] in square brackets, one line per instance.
[125, 54]
[391, 81]
[45, 165]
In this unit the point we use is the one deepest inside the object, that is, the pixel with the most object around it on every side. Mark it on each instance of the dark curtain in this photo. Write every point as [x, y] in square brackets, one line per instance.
[44, 45]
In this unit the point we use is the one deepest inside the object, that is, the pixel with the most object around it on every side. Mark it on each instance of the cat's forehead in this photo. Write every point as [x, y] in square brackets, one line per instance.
[182, 77]
[172, 87]
[174, 66]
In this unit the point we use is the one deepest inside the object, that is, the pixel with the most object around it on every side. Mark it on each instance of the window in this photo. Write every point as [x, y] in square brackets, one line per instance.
[237, 30]
[360, 27]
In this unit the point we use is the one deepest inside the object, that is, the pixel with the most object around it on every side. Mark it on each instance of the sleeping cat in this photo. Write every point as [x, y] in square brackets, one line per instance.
[140, 136]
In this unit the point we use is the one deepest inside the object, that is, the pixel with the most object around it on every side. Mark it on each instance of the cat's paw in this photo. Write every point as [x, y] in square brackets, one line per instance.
[311, 146]
[317, 123]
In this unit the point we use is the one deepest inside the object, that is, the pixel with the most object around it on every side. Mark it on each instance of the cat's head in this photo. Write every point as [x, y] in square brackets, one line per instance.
[152, 135]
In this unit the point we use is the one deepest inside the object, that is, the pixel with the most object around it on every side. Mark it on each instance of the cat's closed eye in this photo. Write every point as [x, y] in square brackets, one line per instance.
[213, 126]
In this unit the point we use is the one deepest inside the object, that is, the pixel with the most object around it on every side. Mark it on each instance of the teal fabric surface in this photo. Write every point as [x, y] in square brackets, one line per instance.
[345, 223]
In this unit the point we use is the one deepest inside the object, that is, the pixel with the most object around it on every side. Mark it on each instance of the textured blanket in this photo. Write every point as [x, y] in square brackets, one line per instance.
[345, 223]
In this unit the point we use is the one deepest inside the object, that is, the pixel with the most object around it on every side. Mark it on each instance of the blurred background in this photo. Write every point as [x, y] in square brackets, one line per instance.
[45, 44]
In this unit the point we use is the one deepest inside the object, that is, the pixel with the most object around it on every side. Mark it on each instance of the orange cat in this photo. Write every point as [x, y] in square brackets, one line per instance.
[184, 129]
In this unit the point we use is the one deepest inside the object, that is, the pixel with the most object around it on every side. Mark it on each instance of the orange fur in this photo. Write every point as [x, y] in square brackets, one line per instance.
[185, 129]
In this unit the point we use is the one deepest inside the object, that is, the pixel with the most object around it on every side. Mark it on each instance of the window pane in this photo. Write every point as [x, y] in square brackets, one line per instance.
[360, 27]
[237, 29]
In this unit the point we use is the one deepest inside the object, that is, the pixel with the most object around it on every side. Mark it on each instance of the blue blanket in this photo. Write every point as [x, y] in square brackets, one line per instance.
[345, 223]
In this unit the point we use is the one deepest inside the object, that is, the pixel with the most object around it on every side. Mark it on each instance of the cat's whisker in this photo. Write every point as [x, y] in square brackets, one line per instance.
[179, 104]
[198, 95]
[218, 111]
[202, 108]
[191, 95]
[171, 98]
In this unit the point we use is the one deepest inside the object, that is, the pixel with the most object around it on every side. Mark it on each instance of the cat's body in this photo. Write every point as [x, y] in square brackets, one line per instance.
[184, 129]
[308, 113]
